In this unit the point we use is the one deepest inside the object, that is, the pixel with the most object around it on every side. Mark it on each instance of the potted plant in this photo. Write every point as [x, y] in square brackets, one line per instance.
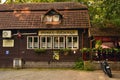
[40, 51]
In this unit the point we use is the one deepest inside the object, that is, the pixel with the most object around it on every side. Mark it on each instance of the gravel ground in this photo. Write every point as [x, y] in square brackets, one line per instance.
[55, 74]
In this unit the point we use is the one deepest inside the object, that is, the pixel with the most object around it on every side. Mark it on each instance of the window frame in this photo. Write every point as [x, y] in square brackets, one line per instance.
[58, 42]
[72, 42]
[49, 19]
[32, 43]
[46, 42]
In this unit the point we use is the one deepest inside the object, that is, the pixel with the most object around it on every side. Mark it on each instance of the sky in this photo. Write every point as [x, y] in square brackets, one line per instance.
[2, 1]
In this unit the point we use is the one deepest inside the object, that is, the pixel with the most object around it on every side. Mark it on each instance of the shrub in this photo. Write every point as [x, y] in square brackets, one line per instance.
[79, 64]
[88, 66]
[65, 51]
[40, 51]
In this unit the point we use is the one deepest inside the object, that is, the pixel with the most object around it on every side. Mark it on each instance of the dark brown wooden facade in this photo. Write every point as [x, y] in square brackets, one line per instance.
[25, 21]
[109, 35]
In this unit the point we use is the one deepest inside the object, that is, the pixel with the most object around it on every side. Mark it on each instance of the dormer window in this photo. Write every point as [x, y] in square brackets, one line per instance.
[52, 17]
[56, 17]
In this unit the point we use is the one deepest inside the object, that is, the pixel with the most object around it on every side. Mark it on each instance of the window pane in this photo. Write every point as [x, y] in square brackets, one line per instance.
[43, 42]
[56, 18]
[29, 39]
[35, 39]
[61, 39]
[49, 42]
[43, 39]
[29, 45]
[61, 42]
[69, 39]
[75, 44]
[69, 42]
[35, 43]
[49, 18]
[32, 42]
[29, 42]
[55, 42]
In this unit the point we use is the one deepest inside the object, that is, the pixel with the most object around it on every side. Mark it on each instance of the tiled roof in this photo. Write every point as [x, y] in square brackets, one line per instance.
[24, 16]
[105, 31]
[43, 6]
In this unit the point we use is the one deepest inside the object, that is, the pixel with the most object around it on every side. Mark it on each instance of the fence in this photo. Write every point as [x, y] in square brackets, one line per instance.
[112, 54]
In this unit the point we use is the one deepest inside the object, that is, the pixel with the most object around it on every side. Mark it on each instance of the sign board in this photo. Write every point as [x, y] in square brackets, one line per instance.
[58, 32]
[8, 43]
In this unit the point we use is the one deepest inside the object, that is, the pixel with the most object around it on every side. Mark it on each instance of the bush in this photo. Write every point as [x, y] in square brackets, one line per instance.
[40, 51]
[88, 66]
[79, 64]
[65, 51]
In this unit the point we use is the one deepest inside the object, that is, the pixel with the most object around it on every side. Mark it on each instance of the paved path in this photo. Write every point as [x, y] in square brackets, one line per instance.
[55, 74]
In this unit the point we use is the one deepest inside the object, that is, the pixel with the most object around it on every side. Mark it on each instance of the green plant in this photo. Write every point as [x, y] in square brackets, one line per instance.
[79, 64]
[65, 51]
[40, 51]
[116, 50]
[85, 50]
[98, 44]
[88, 66]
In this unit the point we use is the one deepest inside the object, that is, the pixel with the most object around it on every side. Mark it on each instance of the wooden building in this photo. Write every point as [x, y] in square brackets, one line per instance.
[110, 36]
[50, 26]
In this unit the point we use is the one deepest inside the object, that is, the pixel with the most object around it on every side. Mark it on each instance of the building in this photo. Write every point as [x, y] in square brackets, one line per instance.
[110, 36]
[50, 26]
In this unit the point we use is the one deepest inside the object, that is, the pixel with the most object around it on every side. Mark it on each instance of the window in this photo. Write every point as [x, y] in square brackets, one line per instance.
[32, 42]
[59, 42]
[55, 18]
[52, 42]
[52, 17]
[72, 42]
[75, 42]
[46, 42]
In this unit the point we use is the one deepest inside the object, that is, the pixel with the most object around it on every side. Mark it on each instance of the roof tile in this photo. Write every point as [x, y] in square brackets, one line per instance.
[26, 16]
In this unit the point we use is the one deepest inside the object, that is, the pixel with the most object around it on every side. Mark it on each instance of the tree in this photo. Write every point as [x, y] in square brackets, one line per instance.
[112, 12]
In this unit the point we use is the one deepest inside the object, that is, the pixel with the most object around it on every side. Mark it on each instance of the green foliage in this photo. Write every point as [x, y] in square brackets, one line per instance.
[98, 44]
[79, 64]
[66, 50]
[88, 66]
[85, 50]
[83, 65]
[40, 51]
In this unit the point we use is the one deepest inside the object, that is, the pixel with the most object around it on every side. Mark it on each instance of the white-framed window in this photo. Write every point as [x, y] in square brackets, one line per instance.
[58, 42]
[72, 42]
[56, 18]
[46, 42]
[32, 42]
[52, 42]
[52, 19]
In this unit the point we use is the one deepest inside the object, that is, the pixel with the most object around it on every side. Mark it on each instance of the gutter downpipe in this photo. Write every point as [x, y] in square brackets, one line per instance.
[83, 40]
[91, 41]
